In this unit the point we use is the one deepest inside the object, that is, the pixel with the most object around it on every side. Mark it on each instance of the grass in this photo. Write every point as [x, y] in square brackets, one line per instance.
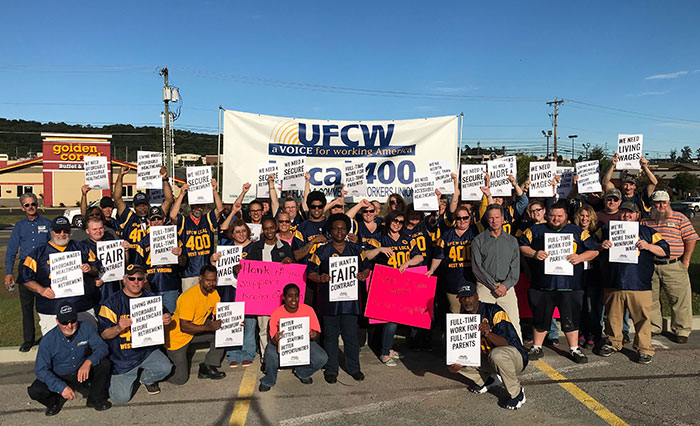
[10, 219]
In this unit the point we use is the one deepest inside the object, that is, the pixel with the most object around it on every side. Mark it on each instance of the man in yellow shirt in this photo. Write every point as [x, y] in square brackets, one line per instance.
[193, 322]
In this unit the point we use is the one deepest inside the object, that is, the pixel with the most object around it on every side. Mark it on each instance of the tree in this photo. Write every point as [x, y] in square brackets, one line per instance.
[698, 152]
[598, 153]
[686, 154]
[684, 182]
[674, 156]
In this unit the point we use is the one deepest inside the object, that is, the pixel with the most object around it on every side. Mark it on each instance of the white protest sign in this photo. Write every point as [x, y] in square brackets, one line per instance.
[163, 241]
[66, 275]
[463, 340]
[146, 321]
[442, 176]
[96, 172]
[295, 344]
[111, 255]
[148, 170]
[156, 197]
[499, 170]
[566, 181]
[624, 237]
[264, 170]
[231, 331]
[558, 247]
[424, 198]
[343, 285]
[541, 175]
[354, 179]
[230, 257]
[629, 150]
[293, 174]
[255, 231]
[588, 177]
[472, 179]
[201, 190]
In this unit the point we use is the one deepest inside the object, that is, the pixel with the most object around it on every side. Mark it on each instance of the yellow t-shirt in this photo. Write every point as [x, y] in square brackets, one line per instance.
[192, 306]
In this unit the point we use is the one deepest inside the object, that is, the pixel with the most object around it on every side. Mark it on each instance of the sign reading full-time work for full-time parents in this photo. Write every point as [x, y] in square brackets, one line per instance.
[231, 332]
[66, 275]
[146, 321]
[148, 166]
[201, 190]
[230, 257]
[343, 272]
[295, 343]
[354, 178]
[163, 241]
[293, 174]
[442, 175]
[588, 177]
[541, 175]
[558, 248]
[499, 169]
[96, 172]
[463, 340]
[472, 179]
[624, 237]
[260, 284]
[629, 151]
[112, 258]
[424, 198]
[265, 170]
[566, 181]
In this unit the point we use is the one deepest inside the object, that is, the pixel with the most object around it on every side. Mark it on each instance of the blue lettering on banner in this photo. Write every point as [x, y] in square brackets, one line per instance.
[339, 151]
[385, 173]
[369, 136]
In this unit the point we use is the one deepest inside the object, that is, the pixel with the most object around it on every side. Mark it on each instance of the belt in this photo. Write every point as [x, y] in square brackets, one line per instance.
[666, 261]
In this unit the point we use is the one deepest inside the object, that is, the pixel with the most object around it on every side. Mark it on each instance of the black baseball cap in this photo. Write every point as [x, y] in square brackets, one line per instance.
[156, 212]
[60, 223]
[467, 290]
[66, 313]
[134, 268]
[140, 198]
[107, 202]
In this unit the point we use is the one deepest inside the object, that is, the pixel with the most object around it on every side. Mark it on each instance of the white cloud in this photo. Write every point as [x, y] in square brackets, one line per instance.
[656, 93]
[666, 76]
[679, 125]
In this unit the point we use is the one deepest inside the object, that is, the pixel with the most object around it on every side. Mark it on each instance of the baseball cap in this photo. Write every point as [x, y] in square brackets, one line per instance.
[60, 223]
[135, 268]
[660, 196]
[630, 206]
[613, 192]
[78, 221]
[107, 202]
[156, 212]
[466, 290]
[629, 179]
[66, 313]
[140, 198]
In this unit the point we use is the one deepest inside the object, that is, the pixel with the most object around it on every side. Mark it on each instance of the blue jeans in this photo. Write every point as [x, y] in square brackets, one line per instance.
[388, 331]
[553, 333]
[345, 325]
[169, 299]
[247, 351]
[153, 369]
[317, 357]
[625, 322]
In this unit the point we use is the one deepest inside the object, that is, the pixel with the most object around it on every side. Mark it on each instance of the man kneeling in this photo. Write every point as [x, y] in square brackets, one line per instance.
[502, 354]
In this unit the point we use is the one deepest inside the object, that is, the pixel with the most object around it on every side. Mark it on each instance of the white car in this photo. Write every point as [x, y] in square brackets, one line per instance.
[693, 203]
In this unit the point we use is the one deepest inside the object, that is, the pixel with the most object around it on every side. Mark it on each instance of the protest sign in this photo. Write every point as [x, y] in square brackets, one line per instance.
[558, 247]
[442, 176]
[148, 166]
[295, 343]
[255, 231]
[343, 285]
[354, 179]
[156, 197]
[163, 241]
[146, 321]
[473, 179]
[499, 170]
[66, 275]
[201, 190]
[231, 332]
[401, 298]
[588, 177]
[96, 172]
[629, 150]
[230, 257]
[424, 198]
[624, 237]
[541, 175]
[260, 284]
[566, 181]
[264, 170]
[463, 340]
[293, 175]
[111, 255]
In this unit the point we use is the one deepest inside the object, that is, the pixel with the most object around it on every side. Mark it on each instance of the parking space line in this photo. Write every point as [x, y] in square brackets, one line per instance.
[245, 393]
[587, 400]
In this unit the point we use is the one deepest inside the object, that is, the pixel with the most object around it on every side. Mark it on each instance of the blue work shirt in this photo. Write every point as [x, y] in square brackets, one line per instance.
[62, 356]
[26, 236]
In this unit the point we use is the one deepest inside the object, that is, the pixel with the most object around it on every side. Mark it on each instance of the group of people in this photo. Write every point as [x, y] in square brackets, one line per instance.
[488, 256]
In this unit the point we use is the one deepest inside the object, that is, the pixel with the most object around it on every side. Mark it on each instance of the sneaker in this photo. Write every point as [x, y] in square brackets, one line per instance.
[246, 363]
[626, 337]
[395, 354]
[605, 350]
[493, 381]
[152, 389]
[578, 356]
[534, 353]
[517, 402]
[643, 359]
[389, 361]
[263, 388]
[233, 364]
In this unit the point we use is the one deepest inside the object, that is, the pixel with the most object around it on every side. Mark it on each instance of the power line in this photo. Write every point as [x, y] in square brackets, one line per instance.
[640, 114]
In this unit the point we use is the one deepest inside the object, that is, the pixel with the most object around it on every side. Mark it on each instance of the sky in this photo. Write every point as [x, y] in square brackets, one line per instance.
[621, 67]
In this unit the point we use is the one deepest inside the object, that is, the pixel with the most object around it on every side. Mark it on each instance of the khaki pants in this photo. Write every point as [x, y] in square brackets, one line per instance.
[675, 281]
[188, 283]
[508, 303]
[505, 361]
[264, 333]
[455, 306]
[638, 303]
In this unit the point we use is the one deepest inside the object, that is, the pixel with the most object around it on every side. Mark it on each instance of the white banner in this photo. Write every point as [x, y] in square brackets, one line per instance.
[463, 340]
[96, 172]
[566, 181]
[148, 170]
[624, 237]
[201, 190]
[541, 175]
[293, 174]
[629, 149]
[263, 187]
[230, 257]
[343, 285]
[424, 197]
[66, 275]
[111, 255]
[146, 321]
[163, 241]
[473, 179]
[588, 177]
[295, 343]
[441, 173]
[499, 169]
[354, 178]
[558, 247]
[231, 332]
[390, 149]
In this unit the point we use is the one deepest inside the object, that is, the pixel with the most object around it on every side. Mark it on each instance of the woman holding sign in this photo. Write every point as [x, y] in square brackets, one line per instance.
[341, 265]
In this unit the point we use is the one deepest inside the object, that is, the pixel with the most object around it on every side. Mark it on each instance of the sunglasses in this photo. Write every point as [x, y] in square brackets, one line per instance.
[283, 221]
[399, 221]
[316, 207]
[392, 202]
[256, 210]
[132, 278]
[67, 322]
[27, 205]
[62, 231]
[368, 211]
[462, 218]
[615, 199]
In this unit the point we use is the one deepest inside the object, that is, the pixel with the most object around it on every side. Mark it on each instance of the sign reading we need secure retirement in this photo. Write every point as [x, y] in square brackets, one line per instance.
[390, 150]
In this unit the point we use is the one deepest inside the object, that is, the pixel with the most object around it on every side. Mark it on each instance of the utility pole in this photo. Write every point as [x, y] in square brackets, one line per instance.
[572, 137]
[166, 123]
[556, 102]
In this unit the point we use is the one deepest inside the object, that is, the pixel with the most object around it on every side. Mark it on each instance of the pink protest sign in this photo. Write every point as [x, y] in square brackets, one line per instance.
[260, 284]
[401, 298]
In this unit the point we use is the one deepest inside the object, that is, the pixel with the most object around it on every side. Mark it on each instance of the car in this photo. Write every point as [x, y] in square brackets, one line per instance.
[693, 203]
[681, 207]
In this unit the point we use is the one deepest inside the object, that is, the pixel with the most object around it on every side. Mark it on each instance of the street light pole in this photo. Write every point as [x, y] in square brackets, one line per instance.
[572, 137]
[547, 134]
[586, 146]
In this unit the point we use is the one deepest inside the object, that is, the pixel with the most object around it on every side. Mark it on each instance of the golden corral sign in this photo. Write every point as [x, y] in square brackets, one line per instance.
[66, 151]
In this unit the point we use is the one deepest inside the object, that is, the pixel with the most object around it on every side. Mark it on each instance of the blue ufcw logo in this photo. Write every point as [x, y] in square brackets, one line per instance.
[325, 133]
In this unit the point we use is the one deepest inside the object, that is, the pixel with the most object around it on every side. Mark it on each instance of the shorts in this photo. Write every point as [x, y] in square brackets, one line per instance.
[543, 302]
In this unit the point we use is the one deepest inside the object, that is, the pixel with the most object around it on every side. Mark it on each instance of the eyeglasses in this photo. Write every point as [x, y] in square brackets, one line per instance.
[283, 221]
[62, 231]
[399, 221]
[27, 205]
[137, 278]
[462, 218]
[256, 210]
[316, 207]
[614, 199]
[68, 322]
